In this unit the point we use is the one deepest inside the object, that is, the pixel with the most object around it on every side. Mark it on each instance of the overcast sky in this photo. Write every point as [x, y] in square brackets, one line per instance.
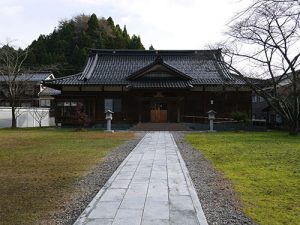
[167, 24]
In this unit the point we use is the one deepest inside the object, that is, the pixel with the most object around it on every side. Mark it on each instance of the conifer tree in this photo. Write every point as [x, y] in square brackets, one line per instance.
[93, 26]
[67, 46]
[151, 47]
[110, 22]
[135, 43]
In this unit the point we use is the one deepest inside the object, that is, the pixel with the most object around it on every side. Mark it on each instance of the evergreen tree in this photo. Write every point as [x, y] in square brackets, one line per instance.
[126, 36]
[151, 47]
[110, 22]
[136, 43]
[93, 26]
[67, 46]
[119, 42]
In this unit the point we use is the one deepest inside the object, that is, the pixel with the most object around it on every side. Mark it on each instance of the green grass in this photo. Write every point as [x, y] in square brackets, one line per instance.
[39, 166]
[264, 169]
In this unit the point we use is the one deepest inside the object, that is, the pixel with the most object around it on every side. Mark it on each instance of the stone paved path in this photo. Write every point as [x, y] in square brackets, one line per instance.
[151, 187]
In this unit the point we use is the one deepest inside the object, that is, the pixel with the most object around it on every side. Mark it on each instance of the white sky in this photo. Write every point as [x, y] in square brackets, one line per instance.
[167, 24]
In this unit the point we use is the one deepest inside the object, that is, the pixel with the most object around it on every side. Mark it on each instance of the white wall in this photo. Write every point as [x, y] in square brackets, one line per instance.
[25, 117]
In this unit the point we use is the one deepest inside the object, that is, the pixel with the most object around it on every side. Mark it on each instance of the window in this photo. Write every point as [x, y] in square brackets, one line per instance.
[114, 105]
[28, 91]
[45, 102]
[25, 104]
[66, 108]
[278, 119]
[117, 105]
[4, 91]
[261, 99]
[4, 103]
[254, 98]
[108, 105]
[73, 104]
[67, 104]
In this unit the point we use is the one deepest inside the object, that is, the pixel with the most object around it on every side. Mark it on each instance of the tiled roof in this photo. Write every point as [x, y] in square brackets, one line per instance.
[127, 67]
[160, 84]
[49, 92]
[32, 77]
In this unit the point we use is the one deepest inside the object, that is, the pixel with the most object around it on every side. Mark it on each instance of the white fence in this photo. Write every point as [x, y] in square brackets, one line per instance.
[26, 117]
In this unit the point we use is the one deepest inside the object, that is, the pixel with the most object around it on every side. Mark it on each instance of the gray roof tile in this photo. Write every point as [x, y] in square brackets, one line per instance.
[115, 67]
[49, 92]
[32, 77]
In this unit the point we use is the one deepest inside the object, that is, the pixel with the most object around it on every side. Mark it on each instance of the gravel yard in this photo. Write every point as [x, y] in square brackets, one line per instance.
[218, 200]
[89, 185]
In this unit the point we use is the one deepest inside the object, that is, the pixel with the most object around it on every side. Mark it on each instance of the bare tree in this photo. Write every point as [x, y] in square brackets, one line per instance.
[39, 114]
[264, 42]
[11, 72]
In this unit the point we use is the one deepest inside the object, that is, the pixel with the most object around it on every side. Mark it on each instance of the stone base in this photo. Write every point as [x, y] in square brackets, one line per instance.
[109, 131]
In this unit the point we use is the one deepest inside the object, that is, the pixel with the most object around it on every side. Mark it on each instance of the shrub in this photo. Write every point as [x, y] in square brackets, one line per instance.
[239, 116]
[80, 117]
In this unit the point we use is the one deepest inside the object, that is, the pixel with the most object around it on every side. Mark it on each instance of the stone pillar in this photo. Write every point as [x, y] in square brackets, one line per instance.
[108, 125]
[108, 117]
[211, 125]
[211, 117]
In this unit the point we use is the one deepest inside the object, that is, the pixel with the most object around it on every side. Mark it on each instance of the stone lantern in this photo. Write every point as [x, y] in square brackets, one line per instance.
[211, 117]
[108, 117]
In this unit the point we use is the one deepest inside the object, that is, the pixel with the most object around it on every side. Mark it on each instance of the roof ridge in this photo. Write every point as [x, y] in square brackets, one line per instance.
[152, 52]
[89, 68]
[36, 72]
[220, 66]
[64, 77]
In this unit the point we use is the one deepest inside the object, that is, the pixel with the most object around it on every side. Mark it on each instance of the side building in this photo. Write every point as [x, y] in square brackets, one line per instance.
[32, 93]
[261, 110]
[150, 86]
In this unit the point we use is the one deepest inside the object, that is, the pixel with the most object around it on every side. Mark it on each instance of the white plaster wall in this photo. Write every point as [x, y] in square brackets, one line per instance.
[25, 117]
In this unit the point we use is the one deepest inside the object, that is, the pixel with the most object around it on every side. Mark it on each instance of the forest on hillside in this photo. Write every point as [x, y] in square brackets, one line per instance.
[64, 51]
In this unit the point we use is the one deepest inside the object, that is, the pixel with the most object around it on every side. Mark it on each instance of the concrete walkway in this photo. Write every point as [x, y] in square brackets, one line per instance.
[151, 187]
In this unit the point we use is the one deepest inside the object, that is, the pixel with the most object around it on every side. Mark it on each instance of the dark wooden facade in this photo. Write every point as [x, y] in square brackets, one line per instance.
[137, 106]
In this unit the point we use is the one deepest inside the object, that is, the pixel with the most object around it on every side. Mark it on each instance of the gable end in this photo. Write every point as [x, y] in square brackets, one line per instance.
[158, 70]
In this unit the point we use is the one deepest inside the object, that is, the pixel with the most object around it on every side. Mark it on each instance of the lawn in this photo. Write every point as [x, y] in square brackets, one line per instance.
[264, 169]
[39, 166]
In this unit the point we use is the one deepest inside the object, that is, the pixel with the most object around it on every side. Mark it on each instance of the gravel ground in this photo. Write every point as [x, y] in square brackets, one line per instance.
[219, 203]
[86, 188]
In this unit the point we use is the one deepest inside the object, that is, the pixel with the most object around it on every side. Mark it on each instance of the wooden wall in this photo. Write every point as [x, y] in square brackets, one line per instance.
[136, 105]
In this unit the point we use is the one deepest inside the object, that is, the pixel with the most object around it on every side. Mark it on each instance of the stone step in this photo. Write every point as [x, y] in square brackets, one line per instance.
[160, 127]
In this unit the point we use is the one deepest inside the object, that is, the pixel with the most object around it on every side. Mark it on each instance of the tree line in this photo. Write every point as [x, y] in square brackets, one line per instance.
[65, 49]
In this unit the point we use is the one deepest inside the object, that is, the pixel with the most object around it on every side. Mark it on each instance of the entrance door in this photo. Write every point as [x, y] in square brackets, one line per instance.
[159, 112]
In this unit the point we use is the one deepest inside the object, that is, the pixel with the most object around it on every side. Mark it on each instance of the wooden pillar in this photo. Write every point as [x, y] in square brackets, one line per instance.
[140, 109]
[178, 110]
[178, 113]
[97, 108]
